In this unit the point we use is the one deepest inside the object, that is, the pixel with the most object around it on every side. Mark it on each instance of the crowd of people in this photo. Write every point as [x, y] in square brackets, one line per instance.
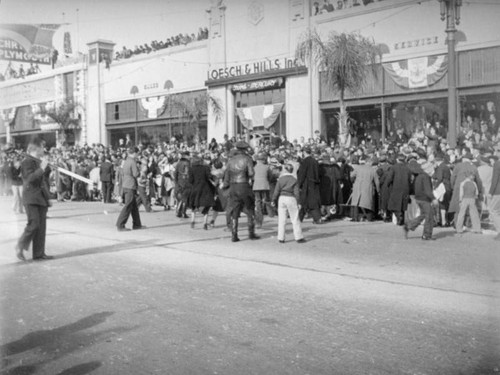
[155, 45]
[403, 181]
[20, 72]
[328, 6]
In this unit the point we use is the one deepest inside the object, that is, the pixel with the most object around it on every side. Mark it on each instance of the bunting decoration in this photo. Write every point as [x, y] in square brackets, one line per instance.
[419, 72]
[153, 106]
[259, 115]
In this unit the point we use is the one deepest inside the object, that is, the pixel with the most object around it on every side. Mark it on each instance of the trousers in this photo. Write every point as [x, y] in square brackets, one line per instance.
[427, 214]
[494, 211]
[129, 208]
[17, 191]
[468, 204]
[35, 230]
[288, 204]
[107, 188]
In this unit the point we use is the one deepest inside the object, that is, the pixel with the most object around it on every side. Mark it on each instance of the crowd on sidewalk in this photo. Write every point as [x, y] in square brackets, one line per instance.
[407, 182]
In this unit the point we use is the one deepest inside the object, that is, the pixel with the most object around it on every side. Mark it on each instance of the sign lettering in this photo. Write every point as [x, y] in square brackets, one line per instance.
[252, 68]
[416, 43]
[12, 51]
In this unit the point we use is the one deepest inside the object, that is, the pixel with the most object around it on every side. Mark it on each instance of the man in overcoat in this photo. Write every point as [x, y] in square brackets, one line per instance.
[366, 184]
[399, 180]
[308, 180]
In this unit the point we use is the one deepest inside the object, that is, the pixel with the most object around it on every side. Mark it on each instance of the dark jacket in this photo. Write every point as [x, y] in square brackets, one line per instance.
[308, 180]
[423, 187]
[36, 182]
[398, 181]
[130, 174]
[239, 169]
[16, 176]
[330, 177]
[106, 172]
[202, 190]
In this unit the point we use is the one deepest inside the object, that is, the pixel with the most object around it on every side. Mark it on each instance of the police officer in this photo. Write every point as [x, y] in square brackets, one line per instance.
[238, 178]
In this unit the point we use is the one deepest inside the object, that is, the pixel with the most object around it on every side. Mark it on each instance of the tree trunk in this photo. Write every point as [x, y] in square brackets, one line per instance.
[61, 137]
[343, 117]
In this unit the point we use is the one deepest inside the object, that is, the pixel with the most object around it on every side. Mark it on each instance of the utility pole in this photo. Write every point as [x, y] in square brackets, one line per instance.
[450, 11]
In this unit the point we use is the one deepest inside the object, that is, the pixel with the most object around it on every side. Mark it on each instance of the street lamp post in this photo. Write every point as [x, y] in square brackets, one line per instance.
[450, 11]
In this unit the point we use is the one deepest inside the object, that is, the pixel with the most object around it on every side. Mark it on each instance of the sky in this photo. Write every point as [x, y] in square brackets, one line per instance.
[125, 22]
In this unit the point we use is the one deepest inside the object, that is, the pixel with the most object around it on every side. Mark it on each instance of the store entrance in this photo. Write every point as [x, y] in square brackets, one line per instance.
[274, 99]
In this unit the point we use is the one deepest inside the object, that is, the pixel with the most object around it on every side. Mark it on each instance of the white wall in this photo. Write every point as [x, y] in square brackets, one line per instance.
[185, 66]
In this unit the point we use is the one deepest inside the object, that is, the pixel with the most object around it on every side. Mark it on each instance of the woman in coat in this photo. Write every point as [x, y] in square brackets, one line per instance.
[202, 195]
[330, 190]
[365, 185]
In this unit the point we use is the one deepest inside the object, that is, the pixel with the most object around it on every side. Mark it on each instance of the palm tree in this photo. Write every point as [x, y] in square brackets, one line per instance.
[191, 110]
[345, 60]
[64, 114]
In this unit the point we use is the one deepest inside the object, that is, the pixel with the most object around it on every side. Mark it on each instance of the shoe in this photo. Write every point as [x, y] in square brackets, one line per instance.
[44, 257]
[139, 227]
[302, 240]
[234, 239]
[205, 226]
[253, 236]
[281, 241]
[192, 225]
[19, 253]
[425, 238]
[405, 231]
[122, 229]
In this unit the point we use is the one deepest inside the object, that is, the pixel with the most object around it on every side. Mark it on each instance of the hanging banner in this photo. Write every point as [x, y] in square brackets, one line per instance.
[419, 72]
[27, 43]
[259, 115]
[153, 106]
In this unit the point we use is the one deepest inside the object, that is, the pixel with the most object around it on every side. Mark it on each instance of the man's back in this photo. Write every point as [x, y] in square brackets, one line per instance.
[130, 174]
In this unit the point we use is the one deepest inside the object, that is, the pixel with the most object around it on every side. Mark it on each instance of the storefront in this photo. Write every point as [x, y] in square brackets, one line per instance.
[258, 99]
[152, 98]
[22, 100]
[158, 119]
[409, 88]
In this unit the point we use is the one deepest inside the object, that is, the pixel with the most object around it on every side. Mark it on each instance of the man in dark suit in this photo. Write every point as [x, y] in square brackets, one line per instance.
[308, 181]
[130, 174]
[35, 174]
[106, 176]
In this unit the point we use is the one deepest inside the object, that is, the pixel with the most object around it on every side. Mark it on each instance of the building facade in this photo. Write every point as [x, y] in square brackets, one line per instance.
[25, 102]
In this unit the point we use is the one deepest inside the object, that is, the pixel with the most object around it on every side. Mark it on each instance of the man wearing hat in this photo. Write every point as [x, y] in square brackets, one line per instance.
[238, 177]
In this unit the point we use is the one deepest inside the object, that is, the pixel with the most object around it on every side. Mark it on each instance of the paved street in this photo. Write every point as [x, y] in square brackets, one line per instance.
[356, 299]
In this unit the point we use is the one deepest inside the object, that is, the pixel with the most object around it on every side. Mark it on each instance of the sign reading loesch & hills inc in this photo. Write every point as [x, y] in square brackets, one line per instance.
[264, 66]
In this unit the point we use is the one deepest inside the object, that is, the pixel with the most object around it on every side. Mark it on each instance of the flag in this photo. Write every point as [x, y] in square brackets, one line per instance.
[259, 115]
[418, 72]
